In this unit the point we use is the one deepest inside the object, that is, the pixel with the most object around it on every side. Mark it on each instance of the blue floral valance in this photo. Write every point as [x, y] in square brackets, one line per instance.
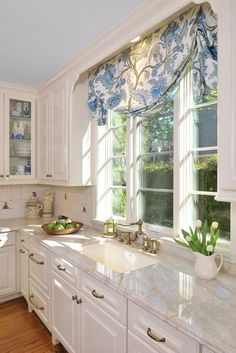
[139, 77]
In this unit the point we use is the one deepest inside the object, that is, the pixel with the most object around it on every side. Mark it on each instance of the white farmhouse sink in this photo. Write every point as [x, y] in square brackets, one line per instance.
[118, 257]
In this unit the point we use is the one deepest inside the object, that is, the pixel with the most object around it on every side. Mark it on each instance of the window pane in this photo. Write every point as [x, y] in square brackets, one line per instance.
[205, 126]
[156, 171]
[157, 208]
[157, 134]
[119, 141]
[212, 97]
[205, 171]
[118, 202]
[118, 172]
[207, 208]
[118, 119]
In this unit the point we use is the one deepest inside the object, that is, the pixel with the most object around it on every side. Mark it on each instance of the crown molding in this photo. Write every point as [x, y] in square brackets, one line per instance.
[146, 16]
[17, 87]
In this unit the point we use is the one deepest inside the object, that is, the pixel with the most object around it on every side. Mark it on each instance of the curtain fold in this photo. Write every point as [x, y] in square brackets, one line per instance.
[138, 78]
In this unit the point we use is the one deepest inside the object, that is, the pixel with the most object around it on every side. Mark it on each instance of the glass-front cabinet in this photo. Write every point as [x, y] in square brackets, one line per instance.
[19, 128]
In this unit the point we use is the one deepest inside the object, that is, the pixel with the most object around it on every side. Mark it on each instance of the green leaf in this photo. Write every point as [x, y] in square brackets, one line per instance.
[185, 245]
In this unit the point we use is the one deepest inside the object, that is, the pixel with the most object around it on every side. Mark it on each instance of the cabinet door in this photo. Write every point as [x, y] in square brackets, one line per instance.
[59, 96]
[99, 332]
[19, 136]
[7, 270]
[44, 143]
[64, 312]
[24, 272]
[1, 137]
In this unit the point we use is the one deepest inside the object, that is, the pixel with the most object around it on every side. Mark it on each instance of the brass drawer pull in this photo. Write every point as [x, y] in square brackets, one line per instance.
[154, 337]
[35, 260]
[96, 295]
[74, 297]
[22, 240]
[37, 307]
[22, 251]
[61, 268]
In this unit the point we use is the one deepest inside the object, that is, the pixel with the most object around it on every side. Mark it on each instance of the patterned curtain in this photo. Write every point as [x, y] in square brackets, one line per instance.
[138, 78]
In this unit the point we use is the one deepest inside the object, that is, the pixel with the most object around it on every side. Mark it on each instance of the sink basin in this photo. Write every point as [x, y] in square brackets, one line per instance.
[118, 257]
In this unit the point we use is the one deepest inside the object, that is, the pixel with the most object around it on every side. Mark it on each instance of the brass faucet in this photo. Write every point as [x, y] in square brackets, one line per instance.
[129, 237]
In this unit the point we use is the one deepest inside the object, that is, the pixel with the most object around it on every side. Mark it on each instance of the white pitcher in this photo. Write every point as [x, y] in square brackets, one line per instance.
[205, 266]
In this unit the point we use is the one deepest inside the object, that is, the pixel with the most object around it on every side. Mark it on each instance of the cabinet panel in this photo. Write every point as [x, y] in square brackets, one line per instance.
[24, 272]
[60, 132]
[39, 302]
[7, 270]
[64, 312]
[1, 136]
[99, 332]
[44, 137]
[148, 327]
[105, 297]
[39, 265]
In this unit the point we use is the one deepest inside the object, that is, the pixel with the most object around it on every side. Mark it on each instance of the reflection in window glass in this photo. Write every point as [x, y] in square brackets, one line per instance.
[207, 208]
[205, 171]
[205, 126]
[118, 202]
[156, 171]
[119, 172]
[157, 208]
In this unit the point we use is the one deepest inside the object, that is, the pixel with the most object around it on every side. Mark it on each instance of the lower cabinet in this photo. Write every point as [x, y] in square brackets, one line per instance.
[65, 302]
[7, 270]
[99, 332]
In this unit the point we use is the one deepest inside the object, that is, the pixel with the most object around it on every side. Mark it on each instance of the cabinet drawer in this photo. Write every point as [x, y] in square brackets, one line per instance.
[39, 302]
[103, 296]
[64, 268]
[149, 329]
[7, 239]
[39, 265]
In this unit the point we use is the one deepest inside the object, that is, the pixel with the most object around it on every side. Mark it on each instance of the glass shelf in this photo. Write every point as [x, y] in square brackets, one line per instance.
[20, 140]
[28, 157]
[21, 117]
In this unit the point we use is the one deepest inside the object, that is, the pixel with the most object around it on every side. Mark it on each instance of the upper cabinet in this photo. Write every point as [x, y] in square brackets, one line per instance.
[64, 135]
[52, 123]
[226, 101]
[17, 138]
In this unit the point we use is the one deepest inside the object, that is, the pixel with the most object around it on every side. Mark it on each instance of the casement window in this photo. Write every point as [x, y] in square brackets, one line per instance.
[162, 166]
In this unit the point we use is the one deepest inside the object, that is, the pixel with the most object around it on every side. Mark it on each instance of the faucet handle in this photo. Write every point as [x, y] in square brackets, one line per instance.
[154, 245]
[145, 242]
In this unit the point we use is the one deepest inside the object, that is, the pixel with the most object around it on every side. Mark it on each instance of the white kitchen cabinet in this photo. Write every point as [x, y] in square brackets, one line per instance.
[226, 101]
[7, 270]
[53, 134]
[64, 135]
[39, 302]
[24, 272]
[99, 332]
[17, 146]
[65, 303]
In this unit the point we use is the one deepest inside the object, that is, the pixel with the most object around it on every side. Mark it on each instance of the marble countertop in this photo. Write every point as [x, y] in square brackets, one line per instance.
[205, 310]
